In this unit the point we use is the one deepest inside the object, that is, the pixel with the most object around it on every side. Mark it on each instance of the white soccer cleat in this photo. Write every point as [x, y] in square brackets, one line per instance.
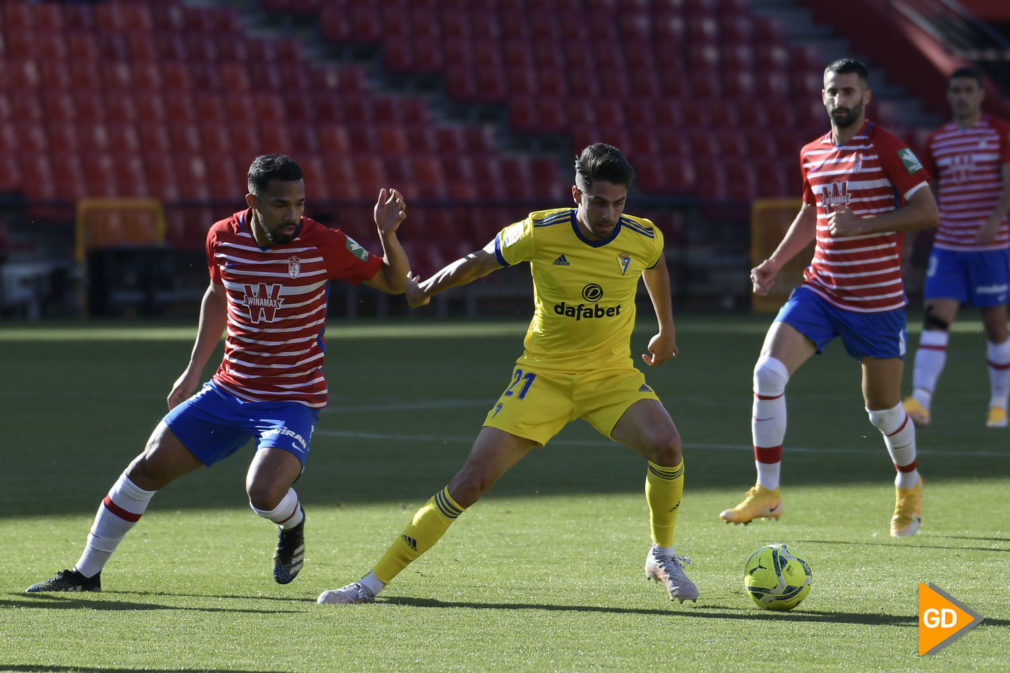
[350, 594]
[670, 571]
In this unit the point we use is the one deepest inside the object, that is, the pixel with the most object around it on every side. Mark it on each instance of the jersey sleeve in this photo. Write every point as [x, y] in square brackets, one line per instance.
[210, 244]
[347, 259]
[899, 162]
[809, 197]
[514, 243]
[1003, 129]
[929, 161]
[657, 246]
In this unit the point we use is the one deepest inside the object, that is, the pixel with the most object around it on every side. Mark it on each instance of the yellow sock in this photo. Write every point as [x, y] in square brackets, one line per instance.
[428, 525]
[664, 487]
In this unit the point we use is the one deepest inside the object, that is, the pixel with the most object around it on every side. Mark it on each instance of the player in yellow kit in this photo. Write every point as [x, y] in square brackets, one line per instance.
[586, 262]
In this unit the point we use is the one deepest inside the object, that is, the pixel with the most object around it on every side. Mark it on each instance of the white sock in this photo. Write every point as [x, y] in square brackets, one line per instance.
[287, 514]
[899, 438]
[373, 583]
[118, 513]
[929, 361]
[768, 422]
[998, 359]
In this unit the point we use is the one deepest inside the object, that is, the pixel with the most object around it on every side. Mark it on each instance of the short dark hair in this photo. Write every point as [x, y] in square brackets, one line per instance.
[966, 71]
[267, 167]
[601, 161]
[845, 66]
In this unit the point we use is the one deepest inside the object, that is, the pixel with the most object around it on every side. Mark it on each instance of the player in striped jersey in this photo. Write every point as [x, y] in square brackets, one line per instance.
[969, 159]
[862, 187]
[586, 263]
[270, 267]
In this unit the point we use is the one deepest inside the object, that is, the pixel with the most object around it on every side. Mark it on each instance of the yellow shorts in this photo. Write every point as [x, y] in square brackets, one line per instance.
[537, 404]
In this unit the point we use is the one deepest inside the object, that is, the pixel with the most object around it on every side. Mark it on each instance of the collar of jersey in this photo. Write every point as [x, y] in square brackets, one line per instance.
[589, 242]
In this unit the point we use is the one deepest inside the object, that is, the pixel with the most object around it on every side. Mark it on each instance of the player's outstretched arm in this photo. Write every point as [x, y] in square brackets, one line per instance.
[213, 319]
[390, 210]
[801, 232]
[663, 345]
[477, 264]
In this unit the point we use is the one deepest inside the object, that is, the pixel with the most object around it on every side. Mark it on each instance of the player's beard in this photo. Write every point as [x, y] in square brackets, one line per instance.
[843, 118]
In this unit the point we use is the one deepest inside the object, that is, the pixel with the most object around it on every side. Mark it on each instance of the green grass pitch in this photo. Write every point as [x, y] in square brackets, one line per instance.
[545, 573]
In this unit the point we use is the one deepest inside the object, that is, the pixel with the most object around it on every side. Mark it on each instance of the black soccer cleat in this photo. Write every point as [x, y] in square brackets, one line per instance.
[68, 580]
[290, 553]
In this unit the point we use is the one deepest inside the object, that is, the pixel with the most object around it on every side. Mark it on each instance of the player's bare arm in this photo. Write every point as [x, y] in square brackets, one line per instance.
[987, 232]
[799, 235]
[213, 319]
[464, 270]
[663, 345]
[390, 211]
[919, 212]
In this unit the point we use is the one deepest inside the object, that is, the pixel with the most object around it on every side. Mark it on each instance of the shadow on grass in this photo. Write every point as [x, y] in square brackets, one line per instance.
[704, 612]
[48, 601]
[893, 544]
[105, 669]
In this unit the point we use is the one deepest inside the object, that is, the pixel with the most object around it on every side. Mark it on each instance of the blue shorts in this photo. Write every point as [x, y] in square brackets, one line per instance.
[978, 278]
[213, 424]
[875, 335]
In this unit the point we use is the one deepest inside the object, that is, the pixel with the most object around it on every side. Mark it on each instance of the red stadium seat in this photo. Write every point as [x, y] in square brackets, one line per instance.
[451, 140]
[274, 137]
[124, 139]
[304, 138]
[131, 179]
[214, 107]
[235, 76]
[244, 141]
[186, 138]
[68, 176]
[317, 183]
[155, 138]
[334, 140]
[150, 107]
[119, 109]
[161, 180]
[428, 177]
[191, 171]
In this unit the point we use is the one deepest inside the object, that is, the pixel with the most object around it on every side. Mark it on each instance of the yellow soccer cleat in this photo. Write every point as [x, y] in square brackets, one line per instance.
[997, 417]
[918, 413]
[907, 510]
[760, 502]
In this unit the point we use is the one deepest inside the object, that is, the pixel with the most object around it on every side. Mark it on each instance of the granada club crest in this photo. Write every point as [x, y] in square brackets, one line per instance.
[294, 266]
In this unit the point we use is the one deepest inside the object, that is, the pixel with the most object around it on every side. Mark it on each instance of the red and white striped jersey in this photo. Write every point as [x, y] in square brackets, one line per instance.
[277, 297]
[875, 172]
[967, 165]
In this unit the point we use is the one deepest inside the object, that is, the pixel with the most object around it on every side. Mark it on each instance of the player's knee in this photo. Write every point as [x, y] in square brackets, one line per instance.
[668, 450]
[770, 376]
[265, 496]
[934, 322]
[887, 421]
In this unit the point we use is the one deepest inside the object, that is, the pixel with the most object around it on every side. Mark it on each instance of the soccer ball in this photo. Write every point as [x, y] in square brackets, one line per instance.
[777, 577]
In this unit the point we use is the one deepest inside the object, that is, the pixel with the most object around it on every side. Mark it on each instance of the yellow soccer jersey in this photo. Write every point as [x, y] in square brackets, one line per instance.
[583, 290]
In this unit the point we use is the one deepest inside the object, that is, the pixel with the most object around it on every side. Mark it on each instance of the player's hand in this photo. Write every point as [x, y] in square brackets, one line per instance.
[662, 347]
[390, 210]
[415, 295]
[988, 231]
[183, 387]
[762, 277]
[843, 222]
